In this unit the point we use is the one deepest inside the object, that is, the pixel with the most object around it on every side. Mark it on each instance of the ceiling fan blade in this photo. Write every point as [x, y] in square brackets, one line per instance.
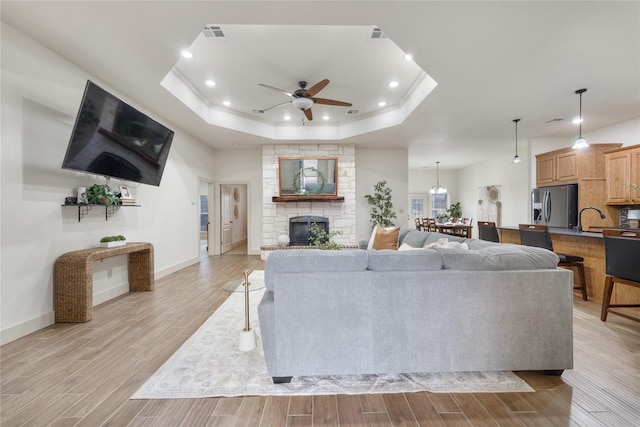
[316, 88]
[331, 102]
[277, 105]
[275, 88]
[307, 113]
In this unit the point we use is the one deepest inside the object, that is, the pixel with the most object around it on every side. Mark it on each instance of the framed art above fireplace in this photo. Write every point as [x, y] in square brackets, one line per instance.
[308, 176]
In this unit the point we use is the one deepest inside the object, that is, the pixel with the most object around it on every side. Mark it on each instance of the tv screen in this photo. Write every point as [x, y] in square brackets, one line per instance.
[111, 138]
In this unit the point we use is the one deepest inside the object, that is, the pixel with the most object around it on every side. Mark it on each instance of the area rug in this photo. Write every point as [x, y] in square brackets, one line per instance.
[209, 364]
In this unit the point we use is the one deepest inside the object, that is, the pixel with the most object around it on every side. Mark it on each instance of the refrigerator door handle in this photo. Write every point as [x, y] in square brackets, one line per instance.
[547, 206]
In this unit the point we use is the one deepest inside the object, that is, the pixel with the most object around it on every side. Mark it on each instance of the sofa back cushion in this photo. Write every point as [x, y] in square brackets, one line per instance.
[418, 260]
[499, 257]
[413, 238]
[313, 261]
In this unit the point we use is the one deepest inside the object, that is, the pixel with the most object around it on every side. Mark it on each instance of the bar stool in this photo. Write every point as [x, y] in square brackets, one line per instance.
[488, 231]
[622, 252]
[538, 235]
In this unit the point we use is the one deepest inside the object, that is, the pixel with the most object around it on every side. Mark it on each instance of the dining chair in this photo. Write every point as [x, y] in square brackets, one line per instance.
[622, 255]
[487, 231]
[430, 224]
[419, 224]
[466, 221]
[538, 235]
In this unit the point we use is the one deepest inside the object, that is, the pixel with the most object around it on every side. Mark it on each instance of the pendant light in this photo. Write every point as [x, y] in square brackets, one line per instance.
[516, 158]
[580, 142]
[438, 189]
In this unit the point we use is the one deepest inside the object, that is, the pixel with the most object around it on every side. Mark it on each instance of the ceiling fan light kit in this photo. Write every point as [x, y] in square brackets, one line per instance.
[303, 98]
[580, 142]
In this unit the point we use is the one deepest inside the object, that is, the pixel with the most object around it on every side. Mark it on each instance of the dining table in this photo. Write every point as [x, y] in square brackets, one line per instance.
[458, 229]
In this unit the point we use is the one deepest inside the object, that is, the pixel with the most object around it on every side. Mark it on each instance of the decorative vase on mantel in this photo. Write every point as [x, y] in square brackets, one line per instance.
[283, 240]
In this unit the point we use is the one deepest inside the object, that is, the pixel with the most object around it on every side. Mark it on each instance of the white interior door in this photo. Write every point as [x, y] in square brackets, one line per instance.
[226, 219]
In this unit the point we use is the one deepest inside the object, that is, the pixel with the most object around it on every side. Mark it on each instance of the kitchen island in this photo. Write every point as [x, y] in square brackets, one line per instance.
[590, 246]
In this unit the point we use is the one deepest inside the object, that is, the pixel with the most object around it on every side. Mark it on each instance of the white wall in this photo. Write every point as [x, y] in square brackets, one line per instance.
[373, 166]
[41, 93]
[513, 180]
[421, 181]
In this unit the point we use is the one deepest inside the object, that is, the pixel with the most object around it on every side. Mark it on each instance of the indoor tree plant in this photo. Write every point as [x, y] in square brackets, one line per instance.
[381, 206]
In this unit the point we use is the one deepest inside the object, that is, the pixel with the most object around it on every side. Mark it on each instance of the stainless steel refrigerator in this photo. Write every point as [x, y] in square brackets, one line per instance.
[555, 206]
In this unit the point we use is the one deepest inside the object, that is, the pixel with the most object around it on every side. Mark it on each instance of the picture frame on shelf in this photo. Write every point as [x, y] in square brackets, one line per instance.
[125, 193]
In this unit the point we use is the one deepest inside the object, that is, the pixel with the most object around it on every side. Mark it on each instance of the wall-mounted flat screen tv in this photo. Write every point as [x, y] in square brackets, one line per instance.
[113, 139]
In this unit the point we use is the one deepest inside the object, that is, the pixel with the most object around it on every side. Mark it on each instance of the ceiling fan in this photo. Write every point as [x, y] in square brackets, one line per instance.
[303, 98]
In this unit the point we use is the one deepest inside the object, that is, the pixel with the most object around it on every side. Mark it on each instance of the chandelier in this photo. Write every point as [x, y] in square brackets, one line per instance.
[438, 189]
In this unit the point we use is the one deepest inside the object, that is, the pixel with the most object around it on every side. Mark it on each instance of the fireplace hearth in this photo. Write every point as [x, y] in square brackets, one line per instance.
[299, 228]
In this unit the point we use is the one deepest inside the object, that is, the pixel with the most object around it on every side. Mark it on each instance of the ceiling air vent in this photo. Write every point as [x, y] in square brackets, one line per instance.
[257, 111]
[377, 34]
[352, 111]
[213, 32]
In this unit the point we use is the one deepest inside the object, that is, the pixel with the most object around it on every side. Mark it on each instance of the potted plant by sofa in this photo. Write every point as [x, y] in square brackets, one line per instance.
[381, 206]
[320, 239]
[99, 194]
[113, 241]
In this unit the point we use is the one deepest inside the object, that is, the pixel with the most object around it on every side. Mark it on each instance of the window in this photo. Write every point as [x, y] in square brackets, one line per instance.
[439, 204]
[417, 208]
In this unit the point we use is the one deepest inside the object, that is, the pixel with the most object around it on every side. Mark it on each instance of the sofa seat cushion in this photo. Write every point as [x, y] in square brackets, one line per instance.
[313, 261]
[499, 257]
[418, 260]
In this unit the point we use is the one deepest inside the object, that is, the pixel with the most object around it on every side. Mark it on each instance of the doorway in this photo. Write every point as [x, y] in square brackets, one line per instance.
[204, 223]
[233, 218]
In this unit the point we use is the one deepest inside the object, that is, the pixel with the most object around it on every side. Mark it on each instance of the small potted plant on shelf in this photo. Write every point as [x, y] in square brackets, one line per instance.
[113, 241]
[99, 194]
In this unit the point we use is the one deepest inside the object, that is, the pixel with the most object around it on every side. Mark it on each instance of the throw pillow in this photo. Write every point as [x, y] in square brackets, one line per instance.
[384, 238]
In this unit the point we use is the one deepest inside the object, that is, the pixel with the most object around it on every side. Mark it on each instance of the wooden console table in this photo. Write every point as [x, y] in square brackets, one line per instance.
[73, 278]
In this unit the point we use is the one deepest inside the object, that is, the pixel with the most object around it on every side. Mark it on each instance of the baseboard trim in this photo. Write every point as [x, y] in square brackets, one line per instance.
[23, 329]
[110, 293]
[177, 267]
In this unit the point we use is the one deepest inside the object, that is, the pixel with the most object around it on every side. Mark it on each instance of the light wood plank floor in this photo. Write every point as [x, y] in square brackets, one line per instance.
[83, 374]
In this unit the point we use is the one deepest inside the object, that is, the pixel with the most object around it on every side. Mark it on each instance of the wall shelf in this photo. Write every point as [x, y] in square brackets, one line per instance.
[287, 199]
[84, 208]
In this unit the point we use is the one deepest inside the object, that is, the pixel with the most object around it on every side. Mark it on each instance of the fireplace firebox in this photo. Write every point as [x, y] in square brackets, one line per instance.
[299, 228]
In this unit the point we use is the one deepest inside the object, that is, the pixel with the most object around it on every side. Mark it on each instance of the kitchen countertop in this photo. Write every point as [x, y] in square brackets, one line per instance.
[563, 231]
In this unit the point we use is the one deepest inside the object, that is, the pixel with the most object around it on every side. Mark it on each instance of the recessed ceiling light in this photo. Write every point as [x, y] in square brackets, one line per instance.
[325, 117]
[226, 103]
[381, 104]
[393, 84]
[287, 117]
[186, 54]
[408, 56]
[210, 83]
[577, 120]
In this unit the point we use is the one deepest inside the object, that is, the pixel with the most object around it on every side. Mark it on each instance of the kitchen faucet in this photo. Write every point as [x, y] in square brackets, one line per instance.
[579, 226]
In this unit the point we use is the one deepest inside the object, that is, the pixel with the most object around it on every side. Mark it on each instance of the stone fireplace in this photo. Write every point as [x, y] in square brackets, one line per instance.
[340, 215]
[299, 228]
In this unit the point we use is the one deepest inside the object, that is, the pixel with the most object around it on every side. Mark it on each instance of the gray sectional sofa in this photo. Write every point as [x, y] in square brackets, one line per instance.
[492, 307]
